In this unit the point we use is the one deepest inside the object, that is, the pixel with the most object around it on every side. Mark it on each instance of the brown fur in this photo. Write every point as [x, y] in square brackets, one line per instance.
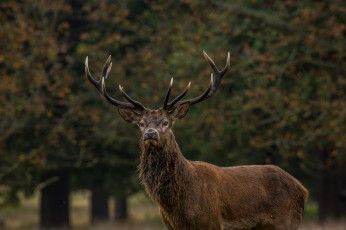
[198, 195]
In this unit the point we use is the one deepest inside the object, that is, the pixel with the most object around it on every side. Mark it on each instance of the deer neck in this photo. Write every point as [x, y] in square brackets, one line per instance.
[164, 170]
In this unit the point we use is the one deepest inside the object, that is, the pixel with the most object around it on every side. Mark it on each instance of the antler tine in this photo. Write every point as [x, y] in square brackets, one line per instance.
[101, 86]
[90, 78]
[203, 96]
[137, 104]
[106, 69]
[179, 97]
[167, 95]
[218, 74]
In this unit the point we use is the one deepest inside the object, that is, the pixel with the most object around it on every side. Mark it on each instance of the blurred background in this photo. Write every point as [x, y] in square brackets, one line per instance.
[67, 159]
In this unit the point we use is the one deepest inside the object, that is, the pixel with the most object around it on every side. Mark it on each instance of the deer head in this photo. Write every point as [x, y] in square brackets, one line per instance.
[156, 124]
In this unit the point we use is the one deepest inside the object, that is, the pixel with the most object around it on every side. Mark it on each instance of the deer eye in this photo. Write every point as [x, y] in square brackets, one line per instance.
[141, 124]
[165, 123]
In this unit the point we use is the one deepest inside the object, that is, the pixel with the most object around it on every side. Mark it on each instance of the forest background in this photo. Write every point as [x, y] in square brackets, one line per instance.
[283, 102]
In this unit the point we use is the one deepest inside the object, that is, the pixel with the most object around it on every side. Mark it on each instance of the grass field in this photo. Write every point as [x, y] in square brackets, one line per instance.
[143, 216]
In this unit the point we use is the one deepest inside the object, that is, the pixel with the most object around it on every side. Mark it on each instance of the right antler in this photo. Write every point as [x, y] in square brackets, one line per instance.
[213, 85]
[101, 87]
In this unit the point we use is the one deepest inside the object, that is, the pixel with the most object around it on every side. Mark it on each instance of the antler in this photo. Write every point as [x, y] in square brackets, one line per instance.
[101, 87]
[213, 85]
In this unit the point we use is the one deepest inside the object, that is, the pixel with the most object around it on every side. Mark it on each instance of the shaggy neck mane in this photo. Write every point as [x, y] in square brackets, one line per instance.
[164, 171]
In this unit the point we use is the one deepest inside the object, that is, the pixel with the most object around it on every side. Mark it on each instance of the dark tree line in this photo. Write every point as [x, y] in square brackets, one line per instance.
[283, 103]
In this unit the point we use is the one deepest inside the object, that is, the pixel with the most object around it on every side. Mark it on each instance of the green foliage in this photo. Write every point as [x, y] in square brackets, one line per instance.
[282, 103]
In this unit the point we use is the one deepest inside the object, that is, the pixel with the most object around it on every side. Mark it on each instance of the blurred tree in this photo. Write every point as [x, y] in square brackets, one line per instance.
[283, 103]
[291, 56]
[54, 207]
[99, 206]
[44, 127]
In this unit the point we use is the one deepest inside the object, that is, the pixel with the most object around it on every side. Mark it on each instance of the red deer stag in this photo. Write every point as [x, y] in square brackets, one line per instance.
[199, 195]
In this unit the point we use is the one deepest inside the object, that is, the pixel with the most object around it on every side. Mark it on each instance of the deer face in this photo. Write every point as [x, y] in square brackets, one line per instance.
[155, 125]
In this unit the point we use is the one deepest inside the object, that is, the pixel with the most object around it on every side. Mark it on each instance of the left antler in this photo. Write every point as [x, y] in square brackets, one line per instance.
[101, 87]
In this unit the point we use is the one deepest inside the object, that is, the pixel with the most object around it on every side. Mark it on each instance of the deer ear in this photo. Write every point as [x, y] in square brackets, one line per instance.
[180, 111]
[129, 115]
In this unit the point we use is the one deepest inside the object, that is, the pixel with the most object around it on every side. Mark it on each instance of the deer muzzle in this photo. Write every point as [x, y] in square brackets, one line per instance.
[151, 134]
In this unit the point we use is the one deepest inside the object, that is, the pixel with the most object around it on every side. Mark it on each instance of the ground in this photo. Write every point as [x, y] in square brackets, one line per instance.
[143, 216]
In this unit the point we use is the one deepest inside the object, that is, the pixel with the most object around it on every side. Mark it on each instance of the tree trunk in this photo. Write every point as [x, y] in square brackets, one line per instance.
[54, 210]
[329, 188]
[121, 208]
[343, 191]
[99, 206]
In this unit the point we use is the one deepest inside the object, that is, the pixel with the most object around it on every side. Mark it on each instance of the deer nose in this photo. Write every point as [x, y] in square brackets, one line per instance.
[151, 134]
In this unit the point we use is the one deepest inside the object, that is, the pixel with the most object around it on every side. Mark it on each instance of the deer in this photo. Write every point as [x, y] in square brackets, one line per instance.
[199, 195]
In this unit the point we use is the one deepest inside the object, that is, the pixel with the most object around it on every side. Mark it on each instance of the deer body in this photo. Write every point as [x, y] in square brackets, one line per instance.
[198, 195]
